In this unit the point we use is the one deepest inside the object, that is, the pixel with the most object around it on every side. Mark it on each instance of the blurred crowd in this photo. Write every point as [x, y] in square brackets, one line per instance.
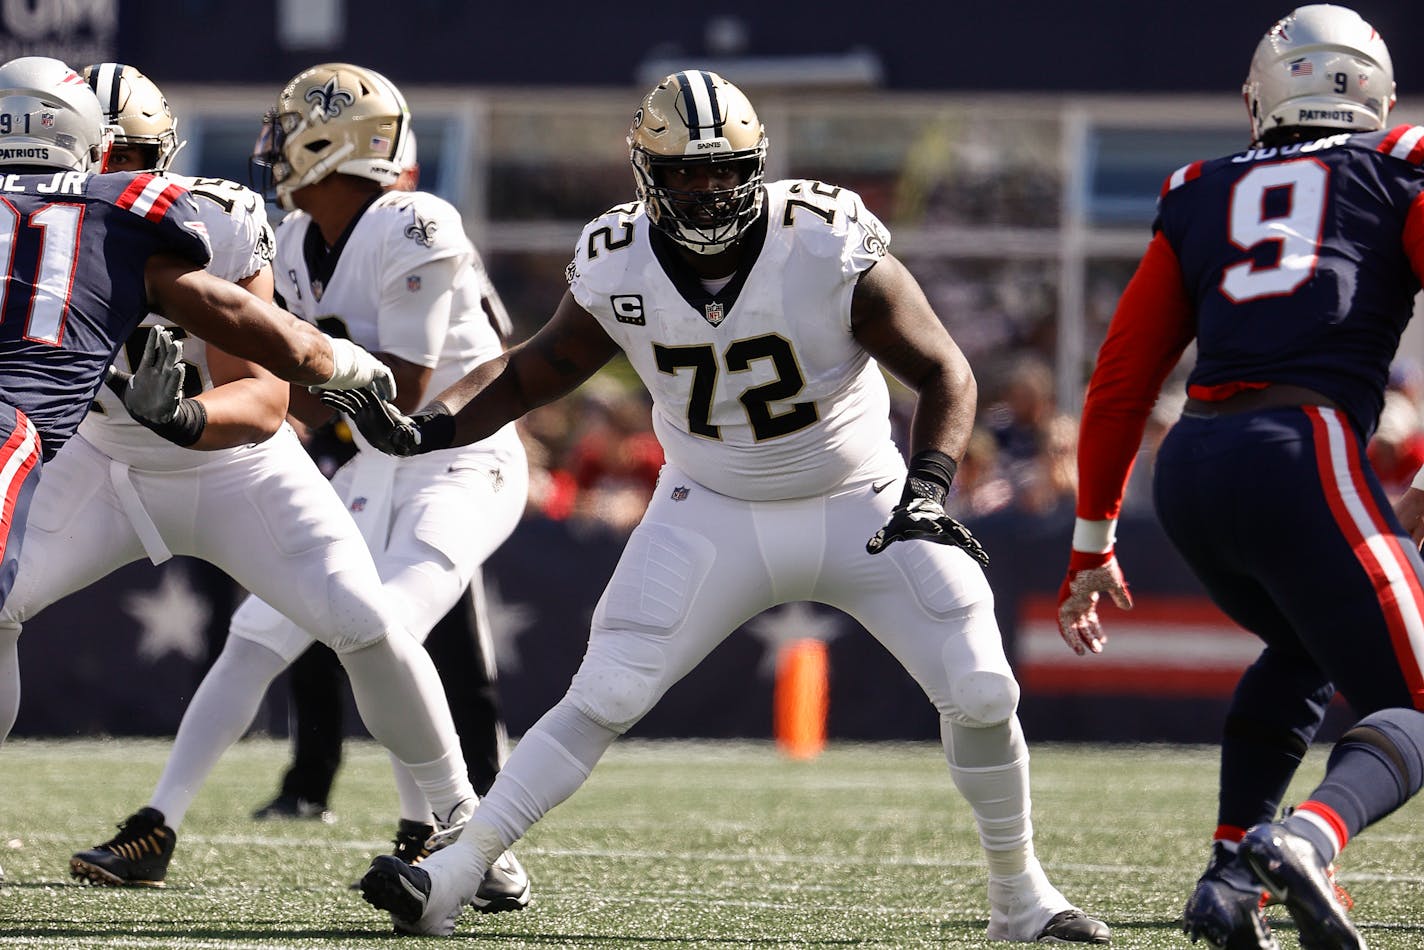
[594, 459]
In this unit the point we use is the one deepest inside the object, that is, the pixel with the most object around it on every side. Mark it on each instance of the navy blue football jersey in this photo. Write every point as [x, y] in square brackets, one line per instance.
[76, 247]
[1297, 263]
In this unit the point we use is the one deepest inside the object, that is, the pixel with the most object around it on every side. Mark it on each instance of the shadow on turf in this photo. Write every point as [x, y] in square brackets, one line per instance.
[99, 934]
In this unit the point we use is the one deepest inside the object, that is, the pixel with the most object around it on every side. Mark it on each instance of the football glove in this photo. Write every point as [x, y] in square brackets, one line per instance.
[153, 391]
[354, 368]
[382, 424]
[1090, 575]
[923, 519]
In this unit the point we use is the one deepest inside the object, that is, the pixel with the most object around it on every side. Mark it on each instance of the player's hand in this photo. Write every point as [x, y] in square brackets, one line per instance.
[154, 390]
[1089, 577]
[382, 424]
[1410, 511]
[354, 368]
[923, 519]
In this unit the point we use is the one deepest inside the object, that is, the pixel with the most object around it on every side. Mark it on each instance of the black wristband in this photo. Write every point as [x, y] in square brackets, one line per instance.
[930, 476]
[436, 426]
[186, 426]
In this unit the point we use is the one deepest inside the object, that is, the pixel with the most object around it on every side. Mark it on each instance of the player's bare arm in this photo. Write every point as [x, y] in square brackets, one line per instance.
[232, 319]
[552, 363]
[891, 318]
[247, 403]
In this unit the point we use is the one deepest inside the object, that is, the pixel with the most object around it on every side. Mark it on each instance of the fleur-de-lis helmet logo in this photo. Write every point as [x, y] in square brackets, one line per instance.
[329, 98]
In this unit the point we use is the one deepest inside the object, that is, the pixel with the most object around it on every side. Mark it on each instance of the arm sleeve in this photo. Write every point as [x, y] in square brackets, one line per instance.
[1414, 236]
[415, 311]
[1152, 326]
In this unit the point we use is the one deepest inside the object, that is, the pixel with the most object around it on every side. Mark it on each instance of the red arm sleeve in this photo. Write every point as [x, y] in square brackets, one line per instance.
[1414, 236]
[1151, 327]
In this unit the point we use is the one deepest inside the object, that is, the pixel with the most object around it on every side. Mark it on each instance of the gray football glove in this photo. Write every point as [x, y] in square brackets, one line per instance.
[154, 390]
[923, 519]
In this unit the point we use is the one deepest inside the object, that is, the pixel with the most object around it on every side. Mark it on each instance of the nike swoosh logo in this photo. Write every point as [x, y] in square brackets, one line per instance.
[882, 486]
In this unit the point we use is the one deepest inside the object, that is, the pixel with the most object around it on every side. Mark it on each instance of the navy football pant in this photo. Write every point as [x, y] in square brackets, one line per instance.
[1281, 518]
[19, 474]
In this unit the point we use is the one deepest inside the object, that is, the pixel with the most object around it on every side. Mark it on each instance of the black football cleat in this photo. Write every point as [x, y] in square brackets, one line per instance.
[137, 856]
[1225, 907]
[1293, 873]
[294, 806]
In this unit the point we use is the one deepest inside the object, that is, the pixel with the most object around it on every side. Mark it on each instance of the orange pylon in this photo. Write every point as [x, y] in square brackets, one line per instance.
[802, 698]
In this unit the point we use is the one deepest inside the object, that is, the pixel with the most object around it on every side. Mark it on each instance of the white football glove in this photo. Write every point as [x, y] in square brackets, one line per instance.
[354, 368]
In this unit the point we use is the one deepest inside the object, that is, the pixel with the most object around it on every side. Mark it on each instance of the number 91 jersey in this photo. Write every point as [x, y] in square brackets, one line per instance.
[235, 219]
[1296, 261]
[760, 391]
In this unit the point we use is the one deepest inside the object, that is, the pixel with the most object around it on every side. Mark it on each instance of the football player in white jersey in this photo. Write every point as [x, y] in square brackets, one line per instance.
[396, 270]
[758, 314]
[225, 481]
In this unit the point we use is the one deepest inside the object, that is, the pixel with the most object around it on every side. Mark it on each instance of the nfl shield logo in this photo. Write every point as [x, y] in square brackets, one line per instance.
[680, 493]
[47, 119]
[412, 283]
[714, 313]
[358, 504]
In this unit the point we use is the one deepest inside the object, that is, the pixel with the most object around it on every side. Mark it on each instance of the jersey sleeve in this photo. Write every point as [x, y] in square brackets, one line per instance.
[1152, 326]
[425, 252]
[867, 238]
[236, 222]
[166, 206]
[595, 269]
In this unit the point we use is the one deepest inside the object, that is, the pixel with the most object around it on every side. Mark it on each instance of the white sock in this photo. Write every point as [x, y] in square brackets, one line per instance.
[548, 765]
[989, 765]
[9, 678]
[403, 705]
[413, 805]
[221, 710]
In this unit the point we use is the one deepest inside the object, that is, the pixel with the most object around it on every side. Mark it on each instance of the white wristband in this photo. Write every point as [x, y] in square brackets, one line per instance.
[1094, 537]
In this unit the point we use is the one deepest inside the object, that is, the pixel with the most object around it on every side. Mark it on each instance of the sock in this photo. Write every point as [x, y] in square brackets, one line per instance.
[548, 765]
[413, 806]
[989, 765]
[402, 703]
[221, 710]
[1275, 712]
[9, 678]
[1375, 768]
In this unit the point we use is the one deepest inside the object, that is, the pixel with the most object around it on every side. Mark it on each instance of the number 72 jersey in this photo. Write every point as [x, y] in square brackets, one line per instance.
[759, 389]
[1301, 263]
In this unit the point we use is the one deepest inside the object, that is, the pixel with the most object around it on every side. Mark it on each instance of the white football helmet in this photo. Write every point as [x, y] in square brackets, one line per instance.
[1320, 66]
[333, 118]
[49, 117]
[689, 118]
[138, 111]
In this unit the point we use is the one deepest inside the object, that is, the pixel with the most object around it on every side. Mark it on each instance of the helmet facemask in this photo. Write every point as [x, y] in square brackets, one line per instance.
[139, 113]
[330, 119]
[694, 119]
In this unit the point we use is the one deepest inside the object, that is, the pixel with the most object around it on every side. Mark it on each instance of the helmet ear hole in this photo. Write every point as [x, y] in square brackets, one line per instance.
[317, 145]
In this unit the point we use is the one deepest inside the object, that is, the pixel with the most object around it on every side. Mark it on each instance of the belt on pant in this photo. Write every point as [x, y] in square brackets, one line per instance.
[1278, 396]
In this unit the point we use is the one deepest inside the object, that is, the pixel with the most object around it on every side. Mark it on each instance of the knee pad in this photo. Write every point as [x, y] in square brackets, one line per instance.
[1395, 734]
[983, 698]
[616, 687]
[358, 616]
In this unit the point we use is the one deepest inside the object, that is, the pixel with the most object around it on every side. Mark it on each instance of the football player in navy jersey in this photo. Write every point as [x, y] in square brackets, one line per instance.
[87, 256]
[757, 314]
[1294, 266]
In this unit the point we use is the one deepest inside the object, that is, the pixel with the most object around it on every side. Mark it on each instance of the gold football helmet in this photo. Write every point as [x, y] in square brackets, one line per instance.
[333, 118]
[138, 111]
[694, 118]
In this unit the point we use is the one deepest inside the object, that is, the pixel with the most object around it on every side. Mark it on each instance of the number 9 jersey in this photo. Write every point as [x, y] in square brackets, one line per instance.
[760, 391]
[1301, 263]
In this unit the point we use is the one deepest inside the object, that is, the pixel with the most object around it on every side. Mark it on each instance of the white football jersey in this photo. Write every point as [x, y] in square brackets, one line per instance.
[759, 391]
[381, 286]
[242, 243]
